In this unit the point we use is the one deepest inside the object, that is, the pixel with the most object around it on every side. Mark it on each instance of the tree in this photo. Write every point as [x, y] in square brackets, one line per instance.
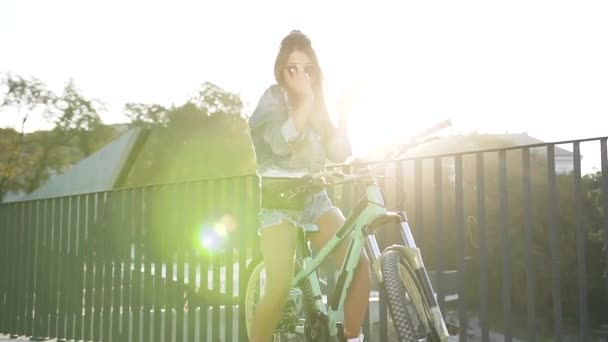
[213, 100]
[146, 115]
[206, 137]
[78, 132]
[24, 96]
[76, 117]
[32, 157]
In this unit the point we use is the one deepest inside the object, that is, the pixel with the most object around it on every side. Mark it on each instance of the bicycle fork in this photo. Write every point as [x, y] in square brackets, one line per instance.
[372, 247]
[411, 254]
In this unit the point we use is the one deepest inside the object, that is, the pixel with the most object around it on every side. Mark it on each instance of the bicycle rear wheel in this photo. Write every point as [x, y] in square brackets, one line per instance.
[412, 316]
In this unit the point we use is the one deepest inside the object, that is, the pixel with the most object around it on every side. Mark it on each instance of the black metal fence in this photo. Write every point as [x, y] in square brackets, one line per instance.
[522, 228]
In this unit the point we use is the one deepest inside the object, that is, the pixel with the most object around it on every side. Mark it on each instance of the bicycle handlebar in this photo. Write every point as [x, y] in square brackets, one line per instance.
[437, 127]
[419, 139]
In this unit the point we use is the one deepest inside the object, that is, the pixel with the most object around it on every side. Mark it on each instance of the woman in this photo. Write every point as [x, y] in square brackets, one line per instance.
[293, 135]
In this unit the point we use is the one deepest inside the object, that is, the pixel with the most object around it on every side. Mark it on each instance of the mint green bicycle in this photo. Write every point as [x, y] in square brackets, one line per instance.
[399, 270]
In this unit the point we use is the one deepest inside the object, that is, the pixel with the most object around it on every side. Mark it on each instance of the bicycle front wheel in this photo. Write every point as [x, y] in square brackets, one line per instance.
[412, 316]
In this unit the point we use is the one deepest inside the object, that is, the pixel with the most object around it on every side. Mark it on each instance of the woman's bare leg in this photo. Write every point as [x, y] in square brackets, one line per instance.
[278, 245]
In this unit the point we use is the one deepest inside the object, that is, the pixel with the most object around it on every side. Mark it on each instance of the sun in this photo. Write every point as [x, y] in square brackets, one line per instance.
[383, 110]
[374, 122]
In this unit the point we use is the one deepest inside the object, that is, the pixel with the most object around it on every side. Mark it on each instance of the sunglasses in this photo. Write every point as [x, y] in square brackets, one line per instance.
[309, 69]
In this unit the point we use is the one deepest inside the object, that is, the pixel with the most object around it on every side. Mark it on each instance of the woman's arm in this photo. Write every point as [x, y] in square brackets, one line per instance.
[337, 143]
[335, 139]
[271, 121]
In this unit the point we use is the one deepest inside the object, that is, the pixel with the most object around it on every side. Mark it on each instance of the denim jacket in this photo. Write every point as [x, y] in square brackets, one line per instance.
[278, 145]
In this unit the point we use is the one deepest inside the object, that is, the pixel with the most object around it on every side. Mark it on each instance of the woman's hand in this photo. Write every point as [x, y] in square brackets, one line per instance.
[301, 88]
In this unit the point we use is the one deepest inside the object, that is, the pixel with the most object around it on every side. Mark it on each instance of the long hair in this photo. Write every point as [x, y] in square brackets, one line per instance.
[296, 40]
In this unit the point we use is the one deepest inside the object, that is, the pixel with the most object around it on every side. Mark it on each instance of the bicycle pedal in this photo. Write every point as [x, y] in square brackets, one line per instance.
[340, 336]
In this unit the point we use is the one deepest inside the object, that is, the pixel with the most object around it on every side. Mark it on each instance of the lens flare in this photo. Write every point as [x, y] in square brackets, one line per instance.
[221, 230]
[214, 236]
[209, 239]
[206, 242]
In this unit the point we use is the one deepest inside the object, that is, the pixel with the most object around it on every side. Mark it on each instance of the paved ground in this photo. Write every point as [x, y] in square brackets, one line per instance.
[7, 338]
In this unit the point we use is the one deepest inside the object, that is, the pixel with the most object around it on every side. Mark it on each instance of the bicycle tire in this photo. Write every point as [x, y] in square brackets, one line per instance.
[254, 274]
[405, 300]
[249, 299]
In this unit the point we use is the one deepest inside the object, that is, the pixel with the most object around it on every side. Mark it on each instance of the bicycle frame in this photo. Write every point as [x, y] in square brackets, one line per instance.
[370, 207]
[360, 226]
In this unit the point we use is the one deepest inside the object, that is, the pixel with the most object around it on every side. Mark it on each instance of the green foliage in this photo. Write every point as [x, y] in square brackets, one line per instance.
[213, 100]
[144, 115]
[27, 160]
[206, 137]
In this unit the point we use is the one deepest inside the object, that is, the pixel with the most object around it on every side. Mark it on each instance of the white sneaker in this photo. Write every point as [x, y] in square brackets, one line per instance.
[356, 339]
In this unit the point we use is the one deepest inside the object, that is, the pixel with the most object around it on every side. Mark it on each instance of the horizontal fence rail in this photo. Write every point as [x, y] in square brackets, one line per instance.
[515, 241]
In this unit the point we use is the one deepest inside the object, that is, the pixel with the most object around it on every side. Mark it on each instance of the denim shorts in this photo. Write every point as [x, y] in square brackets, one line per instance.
[316, 205]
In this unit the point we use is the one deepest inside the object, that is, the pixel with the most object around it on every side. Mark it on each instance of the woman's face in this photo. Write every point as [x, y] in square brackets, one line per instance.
[298, 65]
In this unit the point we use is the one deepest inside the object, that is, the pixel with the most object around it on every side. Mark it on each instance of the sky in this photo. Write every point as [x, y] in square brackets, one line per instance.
[539, 67]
